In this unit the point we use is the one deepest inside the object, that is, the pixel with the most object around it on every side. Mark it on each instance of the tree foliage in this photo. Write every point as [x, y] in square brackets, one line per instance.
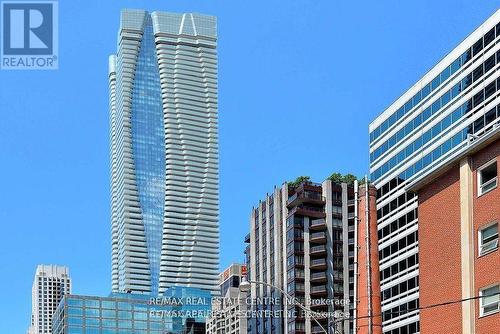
[298, 181]
[348, 178]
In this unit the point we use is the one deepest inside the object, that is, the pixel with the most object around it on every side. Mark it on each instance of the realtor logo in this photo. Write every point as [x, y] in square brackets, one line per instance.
[29, 35]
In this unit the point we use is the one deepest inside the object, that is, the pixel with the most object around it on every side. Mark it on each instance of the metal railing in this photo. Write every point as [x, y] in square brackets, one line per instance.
[318, 262]
[320, 248]
[320, 288]
[317, 222]
[317, 235]
[318, 275]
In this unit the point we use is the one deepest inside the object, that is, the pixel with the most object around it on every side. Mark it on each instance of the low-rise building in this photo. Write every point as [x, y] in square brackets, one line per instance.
[229, 312]
[180, 310]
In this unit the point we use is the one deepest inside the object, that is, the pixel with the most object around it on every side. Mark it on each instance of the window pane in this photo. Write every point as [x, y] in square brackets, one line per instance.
[491, 295]
[489, 173]
[489, 232]
[478, 46]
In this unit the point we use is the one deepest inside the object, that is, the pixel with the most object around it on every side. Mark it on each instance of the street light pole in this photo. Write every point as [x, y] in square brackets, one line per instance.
[245, 287]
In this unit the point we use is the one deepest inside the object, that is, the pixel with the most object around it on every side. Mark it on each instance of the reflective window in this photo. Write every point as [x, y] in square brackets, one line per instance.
[490, 300]
[148, 144]
[488, 239]
[487, 178]
[440, 103]
[439, 128]
[437, 81]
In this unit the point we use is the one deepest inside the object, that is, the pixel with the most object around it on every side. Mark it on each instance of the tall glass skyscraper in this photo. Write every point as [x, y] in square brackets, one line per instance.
[164, 153]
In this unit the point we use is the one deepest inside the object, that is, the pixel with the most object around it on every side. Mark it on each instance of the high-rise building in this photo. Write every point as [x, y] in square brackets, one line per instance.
[229, 312]
[164, 153]
[296, 244]
[50, 285]
[431, 126]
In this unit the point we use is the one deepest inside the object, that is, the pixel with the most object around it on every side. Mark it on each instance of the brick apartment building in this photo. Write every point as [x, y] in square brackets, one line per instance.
[459, 214]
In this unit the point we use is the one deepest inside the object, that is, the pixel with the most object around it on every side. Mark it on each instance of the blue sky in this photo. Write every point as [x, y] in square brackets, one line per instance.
[299, 81]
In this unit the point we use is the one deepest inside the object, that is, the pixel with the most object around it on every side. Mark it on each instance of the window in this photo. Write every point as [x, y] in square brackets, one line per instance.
[490, 300]
[488, 239]
[487, 178]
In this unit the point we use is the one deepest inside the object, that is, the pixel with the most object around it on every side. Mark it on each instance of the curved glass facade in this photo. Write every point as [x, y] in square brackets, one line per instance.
[148, 144]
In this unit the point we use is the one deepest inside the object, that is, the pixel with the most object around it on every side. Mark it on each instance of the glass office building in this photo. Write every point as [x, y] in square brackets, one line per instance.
[164, 153]
[441, 116]
[180, 310]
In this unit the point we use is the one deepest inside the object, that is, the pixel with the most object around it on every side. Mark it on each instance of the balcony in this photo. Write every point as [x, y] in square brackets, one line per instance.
[338, 276]
[317, 330]
[317, 237]
[300, 288]
[350, 202]
[319, 264]
[310, 211]
[319, 308]
[318, 224]
[319, 277]
[305, 197]
[298, 275]
[247, 238]
[318, 250]
[318, 290]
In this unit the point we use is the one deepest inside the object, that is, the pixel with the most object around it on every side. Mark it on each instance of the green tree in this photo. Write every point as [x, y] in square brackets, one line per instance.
[336, 178]
[298, 181]
[339, 178]
[349, 179]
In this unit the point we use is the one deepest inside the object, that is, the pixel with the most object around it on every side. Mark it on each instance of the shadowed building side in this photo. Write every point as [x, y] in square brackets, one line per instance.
[368, 311]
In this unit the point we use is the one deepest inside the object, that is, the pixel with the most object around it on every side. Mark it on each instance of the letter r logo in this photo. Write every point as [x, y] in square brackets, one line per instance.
[28, 28]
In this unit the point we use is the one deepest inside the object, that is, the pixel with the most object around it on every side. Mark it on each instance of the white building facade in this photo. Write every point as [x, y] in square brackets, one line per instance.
[51, 283]
[229, 311]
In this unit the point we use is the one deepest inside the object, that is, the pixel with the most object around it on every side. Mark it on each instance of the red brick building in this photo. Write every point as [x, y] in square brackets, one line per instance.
[368, 307]
[459, 215]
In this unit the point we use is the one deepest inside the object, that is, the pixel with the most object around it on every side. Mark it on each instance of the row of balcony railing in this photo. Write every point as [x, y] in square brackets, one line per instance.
[311, 195]
[316, 249]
